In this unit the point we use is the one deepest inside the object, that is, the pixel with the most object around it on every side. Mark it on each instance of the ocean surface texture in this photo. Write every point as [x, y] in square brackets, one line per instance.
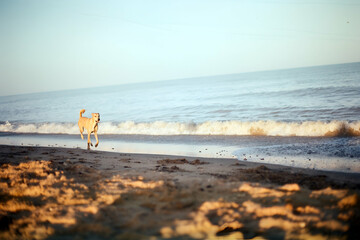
[294, 115]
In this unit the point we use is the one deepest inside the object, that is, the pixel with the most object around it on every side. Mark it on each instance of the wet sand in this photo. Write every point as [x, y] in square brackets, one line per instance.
[60, 193]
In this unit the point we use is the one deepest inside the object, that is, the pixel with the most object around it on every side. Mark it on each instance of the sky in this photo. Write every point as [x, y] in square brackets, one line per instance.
[55, 45]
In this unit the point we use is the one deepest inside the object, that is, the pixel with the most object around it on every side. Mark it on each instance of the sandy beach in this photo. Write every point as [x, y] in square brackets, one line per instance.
[60, 193]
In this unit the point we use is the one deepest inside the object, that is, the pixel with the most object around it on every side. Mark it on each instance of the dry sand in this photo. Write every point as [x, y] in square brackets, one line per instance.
[59, 193]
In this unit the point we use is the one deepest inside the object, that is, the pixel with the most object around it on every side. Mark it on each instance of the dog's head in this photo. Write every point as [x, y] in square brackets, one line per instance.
[96, 117]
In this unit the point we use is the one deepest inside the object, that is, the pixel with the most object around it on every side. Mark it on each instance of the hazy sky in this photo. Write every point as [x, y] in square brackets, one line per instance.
[53, 45]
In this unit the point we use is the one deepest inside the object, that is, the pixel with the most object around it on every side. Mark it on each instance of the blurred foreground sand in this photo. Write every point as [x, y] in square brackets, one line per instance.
[57, 193]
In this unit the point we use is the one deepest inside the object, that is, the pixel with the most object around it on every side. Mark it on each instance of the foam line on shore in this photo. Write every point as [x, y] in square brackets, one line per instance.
[227, 128]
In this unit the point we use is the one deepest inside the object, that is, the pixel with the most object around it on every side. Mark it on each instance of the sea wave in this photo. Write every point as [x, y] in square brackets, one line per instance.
[239, 128]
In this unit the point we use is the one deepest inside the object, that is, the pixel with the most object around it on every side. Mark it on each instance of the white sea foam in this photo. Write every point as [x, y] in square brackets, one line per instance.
[257, 128]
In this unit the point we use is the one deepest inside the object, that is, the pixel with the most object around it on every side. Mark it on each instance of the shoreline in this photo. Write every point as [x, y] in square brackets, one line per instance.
[300, 152]
[67, 192]
[353, 177]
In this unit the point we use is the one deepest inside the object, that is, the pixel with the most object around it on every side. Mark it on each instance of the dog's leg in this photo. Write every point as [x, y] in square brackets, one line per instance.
[81, 132]
[96, 137]
[89, 141]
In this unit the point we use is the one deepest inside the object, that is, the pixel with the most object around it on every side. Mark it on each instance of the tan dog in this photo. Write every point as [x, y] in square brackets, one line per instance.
[91, 126]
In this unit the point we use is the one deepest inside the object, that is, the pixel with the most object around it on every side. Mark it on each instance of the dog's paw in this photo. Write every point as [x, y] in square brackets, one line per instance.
[96, 145]
[91, 144]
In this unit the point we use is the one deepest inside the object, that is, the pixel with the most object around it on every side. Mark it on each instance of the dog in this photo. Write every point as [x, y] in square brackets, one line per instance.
[91, 126]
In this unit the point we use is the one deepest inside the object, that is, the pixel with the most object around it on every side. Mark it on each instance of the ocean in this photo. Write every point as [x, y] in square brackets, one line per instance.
[303, 117]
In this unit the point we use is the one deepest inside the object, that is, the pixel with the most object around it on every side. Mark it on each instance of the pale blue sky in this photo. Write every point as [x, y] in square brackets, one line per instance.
[53, 45]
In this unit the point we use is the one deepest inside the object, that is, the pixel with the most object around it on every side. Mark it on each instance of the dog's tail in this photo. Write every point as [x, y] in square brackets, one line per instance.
[81, 112]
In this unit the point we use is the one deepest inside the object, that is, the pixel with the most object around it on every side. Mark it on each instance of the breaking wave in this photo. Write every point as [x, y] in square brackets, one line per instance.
[257, 128]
